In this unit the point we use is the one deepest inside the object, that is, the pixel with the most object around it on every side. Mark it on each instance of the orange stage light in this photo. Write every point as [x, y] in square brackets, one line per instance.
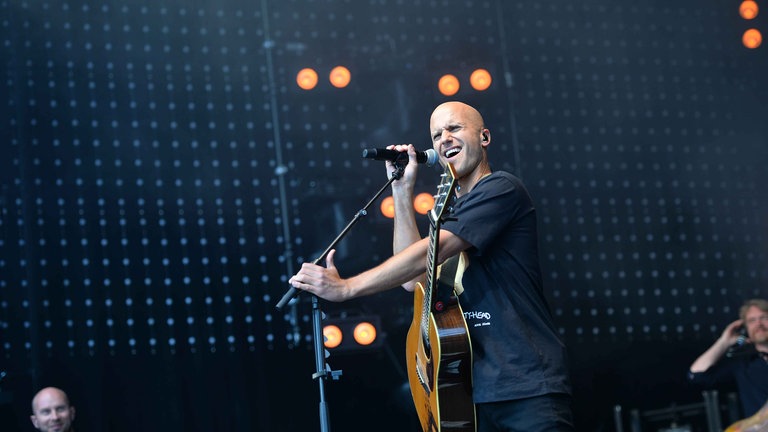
[480, 79]
[752, 38]
[388, 207]
[332, 335]
[364, 333]
[340, 77]
[748, 9]
[349, 334]
[306, 79]
[423, 203]
[448, 85]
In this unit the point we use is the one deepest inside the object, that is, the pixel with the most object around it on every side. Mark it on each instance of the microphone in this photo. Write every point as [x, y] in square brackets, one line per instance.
[428, 157]
[740, 347]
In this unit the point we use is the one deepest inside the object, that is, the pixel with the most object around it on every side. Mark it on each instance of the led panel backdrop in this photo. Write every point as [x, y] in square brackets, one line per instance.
[163, 175]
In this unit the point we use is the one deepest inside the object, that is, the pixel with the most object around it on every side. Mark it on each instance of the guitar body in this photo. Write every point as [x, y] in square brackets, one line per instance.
[440, 370]
[757, 423]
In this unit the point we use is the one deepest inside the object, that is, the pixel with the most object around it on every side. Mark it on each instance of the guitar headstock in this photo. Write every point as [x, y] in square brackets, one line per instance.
[445, 191]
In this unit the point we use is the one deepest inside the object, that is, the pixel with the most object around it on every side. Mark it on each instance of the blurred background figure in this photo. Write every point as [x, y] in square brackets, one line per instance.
[51, 411]
[740, 354]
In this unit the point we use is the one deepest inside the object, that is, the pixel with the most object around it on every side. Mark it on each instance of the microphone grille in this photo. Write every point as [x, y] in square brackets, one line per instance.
[431, 157]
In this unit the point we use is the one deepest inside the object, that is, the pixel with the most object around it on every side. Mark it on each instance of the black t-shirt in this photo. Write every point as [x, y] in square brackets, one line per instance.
[516, 350]
[750, 372]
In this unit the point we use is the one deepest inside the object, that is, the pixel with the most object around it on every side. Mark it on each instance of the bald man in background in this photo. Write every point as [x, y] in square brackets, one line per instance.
[51, 411]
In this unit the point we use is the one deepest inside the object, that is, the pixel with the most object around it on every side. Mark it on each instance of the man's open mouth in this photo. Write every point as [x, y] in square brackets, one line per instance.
[451, 152]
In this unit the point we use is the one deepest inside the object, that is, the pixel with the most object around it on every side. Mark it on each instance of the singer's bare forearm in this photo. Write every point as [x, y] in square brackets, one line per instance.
[710, 356]
[396, 271]
[718, 349]
[405, 266]
[406, 232]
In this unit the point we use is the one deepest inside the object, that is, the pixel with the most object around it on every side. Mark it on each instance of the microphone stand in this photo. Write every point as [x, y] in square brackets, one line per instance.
[323, 370]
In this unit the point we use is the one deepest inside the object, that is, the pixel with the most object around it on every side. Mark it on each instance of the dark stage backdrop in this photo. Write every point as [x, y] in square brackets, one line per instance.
[163, 176]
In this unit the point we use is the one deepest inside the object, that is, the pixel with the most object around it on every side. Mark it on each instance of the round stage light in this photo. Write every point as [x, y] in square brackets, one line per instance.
[423, 203]
[365, 333]
[388, 207]
[480, 79]
[306, 79]
[752, 38]
[448, 85]
[340, 77]
[748, 9]
[332, 335]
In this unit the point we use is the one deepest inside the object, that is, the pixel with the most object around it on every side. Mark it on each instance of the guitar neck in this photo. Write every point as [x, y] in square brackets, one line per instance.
[444, 193]
[434, 239]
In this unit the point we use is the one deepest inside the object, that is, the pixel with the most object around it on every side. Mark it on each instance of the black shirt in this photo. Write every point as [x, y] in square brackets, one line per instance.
[516, 350]
[750, 372]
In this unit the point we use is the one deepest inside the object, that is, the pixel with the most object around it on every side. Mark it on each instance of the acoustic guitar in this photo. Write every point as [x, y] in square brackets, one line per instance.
[756, 423]
[438, 348]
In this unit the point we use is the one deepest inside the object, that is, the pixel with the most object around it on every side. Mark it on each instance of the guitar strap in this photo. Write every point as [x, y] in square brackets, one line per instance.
[449, 275]
[458, 286]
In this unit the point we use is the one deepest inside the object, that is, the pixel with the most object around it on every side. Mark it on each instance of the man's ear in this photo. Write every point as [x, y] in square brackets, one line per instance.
[34, 421]
[485, 137]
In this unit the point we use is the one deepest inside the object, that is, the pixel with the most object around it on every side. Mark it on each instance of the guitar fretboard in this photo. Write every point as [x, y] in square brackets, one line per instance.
[444, 192]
